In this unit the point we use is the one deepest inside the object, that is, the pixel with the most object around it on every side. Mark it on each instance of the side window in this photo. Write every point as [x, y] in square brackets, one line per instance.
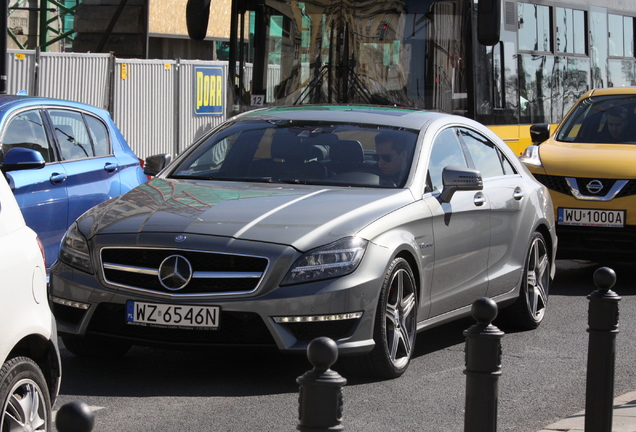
[488, 159]
[71, 134]
[99, 136]
[26, 130]
[446, 151]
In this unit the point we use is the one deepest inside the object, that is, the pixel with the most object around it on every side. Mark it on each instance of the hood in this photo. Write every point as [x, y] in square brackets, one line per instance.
[616, 161]
[299, 216]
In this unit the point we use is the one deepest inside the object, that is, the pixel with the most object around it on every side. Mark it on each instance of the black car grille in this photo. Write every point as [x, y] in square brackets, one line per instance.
[559, 184]
[554, 183]
[221, 273]
[236, 328]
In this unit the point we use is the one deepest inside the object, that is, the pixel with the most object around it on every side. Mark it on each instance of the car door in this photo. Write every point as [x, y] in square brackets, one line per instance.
[92, 169]
[461, 230]
[41, 193]
[505, 190]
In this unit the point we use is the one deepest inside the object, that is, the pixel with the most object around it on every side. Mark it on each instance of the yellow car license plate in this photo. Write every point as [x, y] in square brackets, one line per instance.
[591, 217]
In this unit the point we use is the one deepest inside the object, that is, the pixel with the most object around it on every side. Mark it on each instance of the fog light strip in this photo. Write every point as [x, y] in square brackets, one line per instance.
[316, 318]
[70, 303]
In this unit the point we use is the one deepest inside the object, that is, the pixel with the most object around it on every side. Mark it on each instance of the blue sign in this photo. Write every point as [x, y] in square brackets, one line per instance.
[208, 98]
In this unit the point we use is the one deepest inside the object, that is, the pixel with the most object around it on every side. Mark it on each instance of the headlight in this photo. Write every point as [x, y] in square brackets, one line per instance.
[333, 260]
[74, 250]
[530, 156]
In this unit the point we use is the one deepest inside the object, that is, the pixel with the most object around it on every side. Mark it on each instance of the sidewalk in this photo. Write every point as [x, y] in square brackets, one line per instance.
[623, 418]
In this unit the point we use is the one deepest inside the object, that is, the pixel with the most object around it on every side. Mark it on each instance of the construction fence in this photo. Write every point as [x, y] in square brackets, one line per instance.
[160, 106]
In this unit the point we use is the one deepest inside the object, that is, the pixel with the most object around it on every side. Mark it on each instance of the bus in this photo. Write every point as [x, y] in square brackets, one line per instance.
[504, 63]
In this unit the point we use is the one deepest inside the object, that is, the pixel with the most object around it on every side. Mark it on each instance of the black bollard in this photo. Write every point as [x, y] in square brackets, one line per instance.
[74, 417]
[601, 355]
[320, 400]
[483, 367]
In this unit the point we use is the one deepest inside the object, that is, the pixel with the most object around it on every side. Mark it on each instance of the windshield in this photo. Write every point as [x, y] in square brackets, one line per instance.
[404, 52]
[303, 153]
[602, 119]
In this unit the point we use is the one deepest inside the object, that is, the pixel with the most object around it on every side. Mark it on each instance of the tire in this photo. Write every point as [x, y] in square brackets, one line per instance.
[100, 348]
[25, 397]
[528, 311]
[395, 324]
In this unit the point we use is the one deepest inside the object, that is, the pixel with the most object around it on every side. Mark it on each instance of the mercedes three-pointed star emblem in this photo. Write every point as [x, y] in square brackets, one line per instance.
[175, 272]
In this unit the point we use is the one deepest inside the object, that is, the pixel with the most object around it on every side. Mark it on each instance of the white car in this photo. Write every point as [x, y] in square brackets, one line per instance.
[31, 367]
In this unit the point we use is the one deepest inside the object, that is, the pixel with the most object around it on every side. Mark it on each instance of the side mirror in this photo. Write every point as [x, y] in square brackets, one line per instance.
[489, 22]
[154, 164]
[539, 132]
[456, 178]
[19, 158]
[197, 17]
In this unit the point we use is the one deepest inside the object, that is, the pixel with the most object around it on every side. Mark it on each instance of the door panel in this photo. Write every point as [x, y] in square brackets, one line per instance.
[462, 240]
[43, 199]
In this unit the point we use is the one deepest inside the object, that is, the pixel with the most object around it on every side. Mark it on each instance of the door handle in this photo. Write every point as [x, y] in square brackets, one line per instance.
[57, 178]
[479, 199]
[110, 167]
[517, 194]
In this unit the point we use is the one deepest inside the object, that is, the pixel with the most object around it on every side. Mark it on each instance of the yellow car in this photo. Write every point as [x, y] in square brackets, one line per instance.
[589, 165]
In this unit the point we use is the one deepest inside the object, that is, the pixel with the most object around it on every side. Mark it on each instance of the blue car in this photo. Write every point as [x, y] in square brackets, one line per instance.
[61, 158]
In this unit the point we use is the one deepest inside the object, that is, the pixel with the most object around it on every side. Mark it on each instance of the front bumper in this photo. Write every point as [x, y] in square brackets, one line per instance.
[85, 306]
[597, 244]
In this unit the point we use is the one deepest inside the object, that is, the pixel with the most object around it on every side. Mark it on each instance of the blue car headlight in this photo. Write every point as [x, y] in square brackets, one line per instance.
[333, 260]
[74, 250]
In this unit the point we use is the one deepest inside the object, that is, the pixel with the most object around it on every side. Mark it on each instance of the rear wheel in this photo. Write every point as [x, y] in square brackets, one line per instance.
[395, 324]
[24, 395]
[529, 309]
[102, 348]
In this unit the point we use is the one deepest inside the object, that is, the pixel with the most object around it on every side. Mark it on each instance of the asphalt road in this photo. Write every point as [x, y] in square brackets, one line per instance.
[543, 377]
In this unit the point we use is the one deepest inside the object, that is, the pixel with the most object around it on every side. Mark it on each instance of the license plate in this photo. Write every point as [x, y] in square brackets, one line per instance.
[175, 316]
[590, 217]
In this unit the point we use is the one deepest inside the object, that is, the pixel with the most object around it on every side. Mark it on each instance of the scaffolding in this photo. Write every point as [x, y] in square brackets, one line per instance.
[55, 22]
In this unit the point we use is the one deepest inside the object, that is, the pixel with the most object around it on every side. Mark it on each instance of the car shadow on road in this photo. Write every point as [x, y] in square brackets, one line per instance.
[579, 275]
[145, 372]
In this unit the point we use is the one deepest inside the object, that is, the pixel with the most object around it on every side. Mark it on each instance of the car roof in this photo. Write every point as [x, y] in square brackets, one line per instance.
[17, 101]
[377, 115]
[610, 91]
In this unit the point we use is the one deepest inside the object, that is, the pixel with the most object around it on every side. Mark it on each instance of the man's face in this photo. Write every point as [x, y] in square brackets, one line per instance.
[389, 161]
[615, 125]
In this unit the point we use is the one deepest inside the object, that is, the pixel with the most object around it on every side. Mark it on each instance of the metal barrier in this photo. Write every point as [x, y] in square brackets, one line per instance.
[601, 355]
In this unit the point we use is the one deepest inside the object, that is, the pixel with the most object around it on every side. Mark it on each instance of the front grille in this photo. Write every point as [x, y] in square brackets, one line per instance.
[555, 183]
[236, 328]
[560, 184]
[213, 272]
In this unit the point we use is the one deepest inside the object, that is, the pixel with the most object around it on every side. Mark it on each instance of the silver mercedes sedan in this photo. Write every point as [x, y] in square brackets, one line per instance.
[362, 224]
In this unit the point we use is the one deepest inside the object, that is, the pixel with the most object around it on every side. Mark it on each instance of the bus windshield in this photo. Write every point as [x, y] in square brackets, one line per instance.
[401, 52]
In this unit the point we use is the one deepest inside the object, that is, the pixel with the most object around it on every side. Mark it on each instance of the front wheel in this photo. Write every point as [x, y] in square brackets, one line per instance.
[529, 309]
[24, 395]
[395, 324]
